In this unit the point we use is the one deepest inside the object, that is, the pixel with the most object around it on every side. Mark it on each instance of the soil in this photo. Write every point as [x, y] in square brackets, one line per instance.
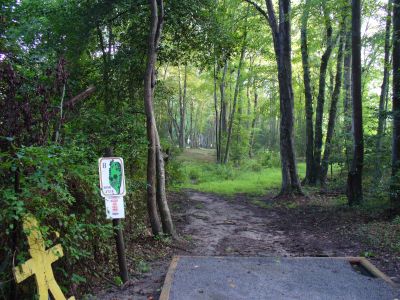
[212, 225]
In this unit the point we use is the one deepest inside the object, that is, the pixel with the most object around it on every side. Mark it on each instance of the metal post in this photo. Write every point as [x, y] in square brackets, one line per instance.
[119, 238]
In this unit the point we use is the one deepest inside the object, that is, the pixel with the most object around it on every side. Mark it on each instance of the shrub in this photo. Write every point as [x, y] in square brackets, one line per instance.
[59, 187]
[268, 159]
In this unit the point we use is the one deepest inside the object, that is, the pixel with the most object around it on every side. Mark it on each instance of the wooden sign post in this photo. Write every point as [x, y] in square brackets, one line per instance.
[112, 186]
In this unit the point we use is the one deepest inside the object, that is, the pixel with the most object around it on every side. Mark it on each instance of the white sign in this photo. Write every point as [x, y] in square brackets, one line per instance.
[115, 207]
[112, 176]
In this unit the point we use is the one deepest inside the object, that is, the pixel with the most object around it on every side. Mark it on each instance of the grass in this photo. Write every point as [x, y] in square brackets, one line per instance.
[203, 174]
[197, 155]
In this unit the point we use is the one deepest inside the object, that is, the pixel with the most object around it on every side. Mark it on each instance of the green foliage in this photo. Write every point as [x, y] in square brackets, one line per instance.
[59, 187]
[229, 179]
[268, 159]
[118, 281]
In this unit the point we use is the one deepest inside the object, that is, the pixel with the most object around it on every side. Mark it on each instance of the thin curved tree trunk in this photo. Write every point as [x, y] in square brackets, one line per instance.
[333, 108]
[237, 86]
[321, 98]
[166, 219]
[150, 121]
[161, 195]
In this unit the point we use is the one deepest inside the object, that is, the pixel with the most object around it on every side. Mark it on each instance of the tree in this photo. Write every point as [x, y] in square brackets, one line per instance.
[308, 99]
[156, 197]
[237, 86]
[347, 87]
[282, 47]
[315, 177]
[354, 180]
[395, 194]
[182, 107]
[334, 102]
[384, 90]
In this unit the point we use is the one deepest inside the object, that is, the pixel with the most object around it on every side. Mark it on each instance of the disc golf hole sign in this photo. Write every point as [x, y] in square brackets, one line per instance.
[112, 176]
[40, 262]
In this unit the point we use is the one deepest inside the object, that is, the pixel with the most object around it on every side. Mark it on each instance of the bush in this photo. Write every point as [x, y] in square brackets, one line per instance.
[268, 159]
[59, 187]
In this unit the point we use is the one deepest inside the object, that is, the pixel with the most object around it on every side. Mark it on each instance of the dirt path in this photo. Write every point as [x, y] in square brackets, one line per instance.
[222, 227]
[218, 226]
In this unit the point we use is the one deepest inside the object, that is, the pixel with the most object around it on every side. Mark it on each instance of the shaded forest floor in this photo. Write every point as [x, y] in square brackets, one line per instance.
[244, 225]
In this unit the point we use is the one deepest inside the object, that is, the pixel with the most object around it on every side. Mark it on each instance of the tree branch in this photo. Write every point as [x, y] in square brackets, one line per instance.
[89, 91]
[259, 8]
[272, 18]
[269, 15]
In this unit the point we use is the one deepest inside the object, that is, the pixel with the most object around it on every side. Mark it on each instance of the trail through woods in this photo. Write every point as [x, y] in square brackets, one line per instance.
[213, 225]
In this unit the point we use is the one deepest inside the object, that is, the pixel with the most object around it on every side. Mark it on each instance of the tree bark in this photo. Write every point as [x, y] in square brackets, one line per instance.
[237, 86]
[321, 98]
[222, 116]
[333, 108]
[290, 180]
[166, 219]
[282, 47]
[308, 99]
[347, 102]
[217, 128]
[253, 122]
[182, 108]
[354, 180]
[150, 125]
[384, 91]
[395, 186]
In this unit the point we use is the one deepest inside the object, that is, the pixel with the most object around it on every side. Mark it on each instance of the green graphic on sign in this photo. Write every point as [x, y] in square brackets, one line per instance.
[115, 175]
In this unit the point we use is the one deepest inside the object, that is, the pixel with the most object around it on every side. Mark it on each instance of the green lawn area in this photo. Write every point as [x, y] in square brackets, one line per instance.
[203, 174]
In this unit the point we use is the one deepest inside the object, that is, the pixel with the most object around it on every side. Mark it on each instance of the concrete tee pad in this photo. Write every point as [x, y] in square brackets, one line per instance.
[275, 278]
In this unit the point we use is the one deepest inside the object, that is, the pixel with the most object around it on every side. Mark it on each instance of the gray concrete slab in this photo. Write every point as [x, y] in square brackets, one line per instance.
[271, 278]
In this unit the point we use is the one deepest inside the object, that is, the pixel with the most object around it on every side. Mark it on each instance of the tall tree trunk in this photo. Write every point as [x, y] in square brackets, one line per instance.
[282, 46]
[384, 91]
[347, 102]
[191, 125]
[354, 181]
[224, 107]
[161, 195]
[308, 99]
[166, 219]
[395, 187]
[321, 97]
[217, 128]
[290, 179]
[253, 122]
[182, 108]
[333, 109]
[150, 125]
[222, 117]
[237, 86]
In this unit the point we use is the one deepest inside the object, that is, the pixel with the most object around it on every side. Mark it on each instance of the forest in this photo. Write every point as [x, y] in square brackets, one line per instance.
[287, 109]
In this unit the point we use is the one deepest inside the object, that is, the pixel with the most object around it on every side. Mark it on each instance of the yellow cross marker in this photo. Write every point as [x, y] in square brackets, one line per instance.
[40, 263]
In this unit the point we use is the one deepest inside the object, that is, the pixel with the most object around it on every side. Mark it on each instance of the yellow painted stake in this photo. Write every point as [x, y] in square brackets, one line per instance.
[40, 263]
